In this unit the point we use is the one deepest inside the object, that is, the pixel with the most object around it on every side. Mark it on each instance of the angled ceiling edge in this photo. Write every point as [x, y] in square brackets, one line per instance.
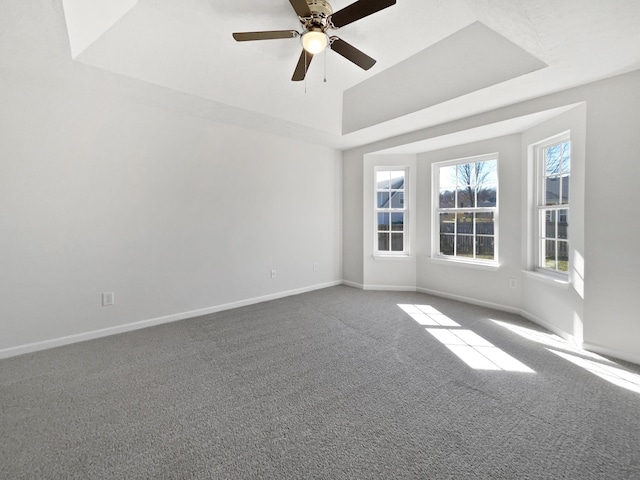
[88, 20]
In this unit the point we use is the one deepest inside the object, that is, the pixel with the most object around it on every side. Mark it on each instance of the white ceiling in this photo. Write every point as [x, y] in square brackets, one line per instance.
[187, 47]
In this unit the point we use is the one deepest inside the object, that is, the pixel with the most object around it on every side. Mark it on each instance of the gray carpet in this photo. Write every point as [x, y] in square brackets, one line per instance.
[333, 384]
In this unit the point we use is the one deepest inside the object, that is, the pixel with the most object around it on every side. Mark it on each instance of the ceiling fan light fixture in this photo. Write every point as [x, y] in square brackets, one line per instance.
[314, 41]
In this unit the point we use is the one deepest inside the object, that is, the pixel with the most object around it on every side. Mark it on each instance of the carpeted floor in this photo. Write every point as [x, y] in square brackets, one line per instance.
[332, 384]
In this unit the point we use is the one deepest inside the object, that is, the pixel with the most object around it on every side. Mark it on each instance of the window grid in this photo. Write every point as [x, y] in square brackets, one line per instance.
[391, 214]
[554, 169]
[465, 199]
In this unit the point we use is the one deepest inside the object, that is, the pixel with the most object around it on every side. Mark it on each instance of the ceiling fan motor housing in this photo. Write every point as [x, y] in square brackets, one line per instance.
[320, 12]
[320, 6]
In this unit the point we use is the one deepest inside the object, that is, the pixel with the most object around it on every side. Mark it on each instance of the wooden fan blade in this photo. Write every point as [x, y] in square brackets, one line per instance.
[301, 7]
[358, 10]
[303, 66]
[268, 35]
[351, 53]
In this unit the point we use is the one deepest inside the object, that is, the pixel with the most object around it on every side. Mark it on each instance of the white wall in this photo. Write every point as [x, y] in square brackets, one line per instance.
[602, 300]
[172, 212]
[380, 272]
[352, 221]
[556, 305]
[478, 284]
[612, 229]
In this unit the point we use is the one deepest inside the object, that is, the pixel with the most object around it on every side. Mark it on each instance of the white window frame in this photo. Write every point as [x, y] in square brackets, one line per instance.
[538, 236]
[405, 210]
[436, 211]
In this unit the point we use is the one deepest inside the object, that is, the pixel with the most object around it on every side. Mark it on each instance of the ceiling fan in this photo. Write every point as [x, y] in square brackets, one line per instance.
[316, 17]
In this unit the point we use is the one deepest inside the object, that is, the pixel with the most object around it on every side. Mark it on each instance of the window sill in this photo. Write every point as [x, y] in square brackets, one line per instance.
[493, 266]
[391, 256]
[549, 279]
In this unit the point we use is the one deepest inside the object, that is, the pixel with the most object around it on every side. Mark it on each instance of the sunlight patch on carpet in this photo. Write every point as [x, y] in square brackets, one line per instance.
[467, 345]
[427, 315]
[549, 339]
[610, 373]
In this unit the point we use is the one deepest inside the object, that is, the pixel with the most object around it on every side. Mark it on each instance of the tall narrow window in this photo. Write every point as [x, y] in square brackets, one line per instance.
[553, 173]
[466, 209]
[391, 211]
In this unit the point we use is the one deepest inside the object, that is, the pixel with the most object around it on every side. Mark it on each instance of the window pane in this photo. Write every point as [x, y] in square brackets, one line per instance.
[465, 223]
[484, 223]
[565, 190]
[382, 179]
[397, 199]
[397, 180]
[550, 224]
[566, 157]
[447, 223]
[390, 196]
[397, 242]
[550, 254]
[552, 191]
[383, 221]
[553, 160]
[485, 248]
[468, 186]
[554, 183]
[397, 221]
[563, 256]
[487, 173]
[563, 224]
[383, 242]
[383, 199]
[447, 177]
[487, 197]
[466, 174]
[466, 197]
[464, 246]
[447, 199]
[446, 244]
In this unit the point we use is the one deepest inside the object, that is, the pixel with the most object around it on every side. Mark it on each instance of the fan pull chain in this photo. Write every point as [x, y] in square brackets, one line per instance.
[325, 65]
[305, 71]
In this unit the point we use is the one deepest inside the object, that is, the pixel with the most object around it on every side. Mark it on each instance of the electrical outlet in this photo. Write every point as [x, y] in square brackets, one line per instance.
[315, 266]
[108, 298]
[513, 283]
[273, 274]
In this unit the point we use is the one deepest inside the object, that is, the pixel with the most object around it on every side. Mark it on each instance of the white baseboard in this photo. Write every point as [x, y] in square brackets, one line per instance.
[472, 301]
[538, 321]
[592, 347]
[389, 288]
[502, 308]
[549, 326]
[81, 337]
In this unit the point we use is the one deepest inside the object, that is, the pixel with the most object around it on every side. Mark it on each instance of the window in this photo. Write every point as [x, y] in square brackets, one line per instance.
[466, 209]
[553, 167]
[391, 211]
